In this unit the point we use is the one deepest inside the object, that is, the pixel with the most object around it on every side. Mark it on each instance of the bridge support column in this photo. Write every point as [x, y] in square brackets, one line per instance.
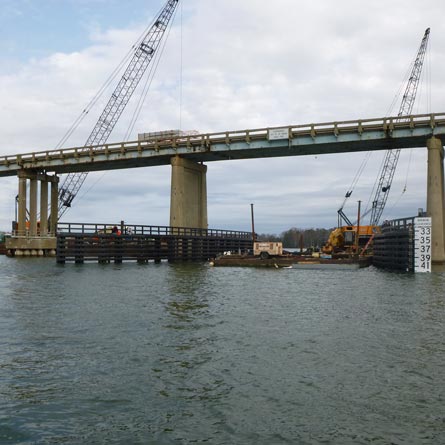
[44, 207]
[188, 203]
[436, 198]
[33, 240]
[33, 206]
[21, 217]
[54, 205]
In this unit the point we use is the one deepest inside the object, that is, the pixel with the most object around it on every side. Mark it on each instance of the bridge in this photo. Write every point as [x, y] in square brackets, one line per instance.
[297, 140]
[186, 154]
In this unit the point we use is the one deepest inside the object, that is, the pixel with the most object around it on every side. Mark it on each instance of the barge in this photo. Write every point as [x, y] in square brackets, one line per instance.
[292, 262]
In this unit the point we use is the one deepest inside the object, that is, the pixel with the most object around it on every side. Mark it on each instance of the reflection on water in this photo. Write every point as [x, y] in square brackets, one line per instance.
[172, 353]
[191, 349]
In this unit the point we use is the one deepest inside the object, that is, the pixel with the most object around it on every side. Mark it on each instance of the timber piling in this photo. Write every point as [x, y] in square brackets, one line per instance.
[79, 243]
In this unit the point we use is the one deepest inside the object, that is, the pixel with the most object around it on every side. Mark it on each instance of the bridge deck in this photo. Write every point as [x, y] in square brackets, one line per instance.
[309, 139]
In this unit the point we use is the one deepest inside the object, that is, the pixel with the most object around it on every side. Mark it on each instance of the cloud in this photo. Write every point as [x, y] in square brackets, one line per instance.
[245, 65]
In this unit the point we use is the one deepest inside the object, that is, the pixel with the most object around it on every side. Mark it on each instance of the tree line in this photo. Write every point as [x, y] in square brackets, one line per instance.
[294, 237]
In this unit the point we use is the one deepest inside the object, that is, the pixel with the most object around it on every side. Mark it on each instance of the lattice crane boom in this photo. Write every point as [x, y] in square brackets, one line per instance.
[392, 156]
[143, 55]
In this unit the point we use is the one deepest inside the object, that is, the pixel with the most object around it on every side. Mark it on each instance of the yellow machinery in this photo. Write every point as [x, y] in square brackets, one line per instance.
[344, 239]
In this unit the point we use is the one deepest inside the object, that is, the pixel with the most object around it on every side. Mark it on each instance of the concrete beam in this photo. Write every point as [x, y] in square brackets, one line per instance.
[188, 204]
[31, 243]
[436, 199]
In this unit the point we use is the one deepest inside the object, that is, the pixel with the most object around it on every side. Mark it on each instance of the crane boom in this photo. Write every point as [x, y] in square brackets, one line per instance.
[143, 55]
[392, 156]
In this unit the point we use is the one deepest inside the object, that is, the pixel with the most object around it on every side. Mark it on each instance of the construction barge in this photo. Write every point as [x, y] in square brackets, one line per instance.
[292, 262]
[266, 254]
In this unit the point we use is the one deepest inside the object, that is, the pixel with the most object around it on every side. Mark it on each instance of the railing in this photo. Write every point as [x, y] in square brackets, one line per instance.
[398, 224]
[106, 243]
[386, 124]
[137, 229]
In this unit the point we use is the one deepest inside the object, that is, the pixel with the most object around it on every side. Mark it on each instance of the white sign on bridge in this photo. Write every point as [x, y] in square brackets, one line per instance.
[275, 134]
[422, 244]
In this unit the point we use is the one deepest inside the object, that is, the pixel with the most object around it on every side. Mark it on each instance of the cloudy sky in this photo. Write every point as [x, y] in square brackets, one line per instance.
[239, 64]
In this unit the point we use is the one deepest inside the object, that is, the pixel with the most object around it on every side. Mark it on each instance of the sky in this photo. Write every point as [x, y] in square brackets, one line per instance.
[227, 65]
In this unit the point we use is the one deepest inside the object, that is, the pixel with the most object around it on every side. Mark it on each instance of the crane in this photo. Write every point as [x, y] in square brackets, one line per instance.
[341, 237]
[391, 158]
[143, 55]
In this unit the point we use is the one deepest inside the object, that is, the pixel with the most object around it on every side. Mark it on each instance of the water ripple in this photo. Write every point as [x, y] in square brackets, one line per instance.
[170, 353]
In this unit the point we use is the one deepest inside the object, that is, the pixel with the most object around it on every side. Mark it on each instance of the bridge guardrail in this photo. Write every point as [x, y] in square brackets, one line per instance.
[398, 224]
[386, 124]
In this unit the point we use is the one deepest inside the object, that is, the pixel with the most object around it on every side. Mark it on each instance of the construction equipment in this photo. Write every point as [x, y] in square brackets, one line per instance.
[391, 158]
[143, 55]
[266, 249]
[341, 238]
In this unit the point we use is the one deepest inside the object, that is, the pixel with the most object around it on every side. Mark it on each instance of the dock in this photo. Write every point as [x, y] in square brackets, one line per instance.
[105, 243]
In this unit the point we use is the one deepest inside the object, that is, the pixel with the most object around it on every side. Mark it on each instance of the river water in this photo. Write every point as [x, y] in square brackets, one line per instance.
[185, 353]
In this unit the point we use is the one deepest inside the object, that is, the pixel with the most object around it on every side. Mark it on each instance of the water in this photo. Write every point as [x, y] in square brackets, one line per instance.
[168, 354]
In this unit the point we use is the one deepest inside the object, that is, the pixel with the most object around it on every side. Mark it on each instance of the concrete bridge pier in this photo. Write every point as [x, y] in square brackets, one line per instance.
[54, 216]
[21, 217]
[188, 203]
[436, 199]
[32, 237]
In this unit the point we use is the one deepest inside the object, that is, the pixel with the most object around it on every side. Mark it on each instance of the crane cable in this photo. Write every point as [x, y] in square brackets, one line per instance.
[181, 69]
[428, 104]
[356, 178]
[142, 98]
[104, 87]
[388, 113]
[148, 82]
[360, 170]
[368, 154]
[427, 74]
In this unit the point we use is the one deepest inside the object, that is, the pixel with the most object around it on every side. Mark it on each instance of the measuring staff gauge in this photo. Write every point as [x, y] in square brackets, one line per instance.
[422, 244]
